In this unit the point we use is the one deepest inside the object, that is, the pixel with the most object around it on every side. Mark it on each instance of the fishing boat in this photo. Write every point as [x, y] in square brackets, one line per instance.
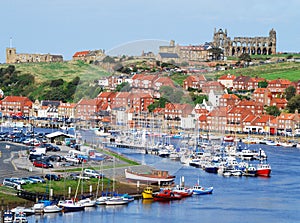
[199, 190]
[184, 192]
[250, 171]
[263, 169]
[70, 206]
[147, 193]
[155, 177]
[166, 195]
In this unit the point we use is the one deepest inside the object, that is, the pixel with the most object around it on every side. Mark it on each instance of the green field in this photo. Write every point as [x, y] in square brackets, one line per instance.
[65, 70]
[285, 70]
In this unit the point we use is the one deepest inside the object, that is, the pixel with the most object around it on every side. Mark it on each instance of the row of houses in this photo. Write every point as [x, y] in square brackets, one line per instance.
[225, 110]
[239, 83]
[235, 115]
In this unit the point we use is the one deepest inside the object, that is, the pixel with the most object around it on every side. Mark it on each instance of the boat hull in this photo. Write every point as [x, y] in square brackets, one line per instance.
[166, 195]
[149, 178]
[72, 208]
[201, 190]
[52, 209]
[263, 172]
[116, 201]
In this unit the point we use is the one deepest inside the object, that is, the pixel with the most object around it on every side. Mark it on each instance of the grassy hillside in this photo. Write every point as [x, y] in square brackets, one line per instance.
[286, 70]
[44, 75]
[66, 70]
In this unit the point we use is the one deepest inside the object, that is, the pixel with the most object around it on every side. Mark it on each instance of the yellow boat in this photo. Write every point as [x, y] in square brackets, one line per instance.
[147, 193]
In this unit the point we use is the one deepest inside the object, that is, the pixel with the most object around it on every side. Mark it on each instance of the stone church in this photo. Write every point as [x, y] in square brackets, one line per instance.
[13, 57]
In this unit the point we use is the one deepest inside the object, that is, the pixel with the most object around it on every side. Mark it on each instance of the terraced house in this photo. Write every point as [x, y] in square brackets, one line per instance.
[16, 106]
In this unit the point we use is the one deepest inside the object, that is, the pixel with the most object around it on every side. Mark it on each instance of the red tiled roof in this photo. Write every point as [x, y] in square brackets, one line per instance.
[280, 81]
[122, 95]
[15, 99]
[137, 76]
[285, 116]
[250, 118]
[227, 77]
[92, 102]
[261, 90]
[67, 105]
[81, 53]
[229, 96]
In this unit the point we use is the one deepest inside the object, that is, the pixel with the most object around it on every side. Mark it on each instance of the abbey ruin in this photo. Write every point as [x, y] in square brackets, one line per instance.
[240, 45]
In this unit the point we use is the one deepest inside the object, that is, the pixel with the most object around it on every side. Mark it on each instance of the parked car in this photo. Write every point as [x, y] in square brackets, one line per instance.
[52, 177]
[37, 179]
[18, 180]
[28, 180]
[42, 164]
[76, 176]
[33, 157]
[10, 183]
[56, 158]
[92, 173]
[55, 148]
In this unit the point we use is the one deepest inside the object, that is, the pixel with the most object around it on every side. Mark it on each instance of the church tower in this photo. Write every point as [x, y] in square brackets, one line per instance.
[272, 42]
[11, 54]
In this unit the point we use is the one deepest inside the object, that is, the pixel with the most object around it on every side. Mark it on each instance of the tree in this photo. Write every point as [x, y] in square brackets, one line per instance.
[109, 59]
[273, 110]
[245, 57]
[57, 82]
[123, 87]
[263, 84]
[294, 103]
[216, 53]
[290, 92]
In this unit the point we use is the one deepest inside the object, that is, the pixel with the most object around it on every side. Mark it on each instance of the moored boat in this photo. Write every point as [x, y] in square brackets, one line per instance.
[8, 216]
[20, 217]
[87, 202]
[156, 177]
[52, 209]
[250, 171]
[127, 197]
[184, 192]
[116, 201]
[147, 193]
[263, 169]
[102, 200]
[166, 195]
[228, 138]
[199, 190]
[70, 206]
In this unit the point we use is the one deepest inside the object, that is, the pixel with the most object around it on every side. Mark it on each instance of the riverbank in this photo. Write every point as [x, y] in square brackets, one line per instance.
[113, 170]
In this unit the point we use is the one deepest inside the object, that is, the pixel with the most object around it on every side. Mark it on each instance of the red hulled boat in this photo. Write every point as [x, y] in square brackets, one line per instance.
[263, 169]
[166, 195]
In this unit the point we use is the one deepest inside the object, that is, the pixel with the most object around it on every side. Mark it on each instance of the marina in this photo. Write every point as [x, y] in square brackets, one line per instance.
[265, 199]
[224, 196]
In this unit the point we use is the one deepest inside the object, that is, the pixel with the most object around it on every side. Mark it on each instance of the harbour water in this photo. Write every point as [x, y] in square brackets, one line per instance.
[235, 199]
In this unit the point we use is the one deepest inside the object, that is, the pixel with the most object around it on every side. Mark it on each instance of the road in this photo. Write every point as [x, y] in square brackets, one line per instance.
[8, 153]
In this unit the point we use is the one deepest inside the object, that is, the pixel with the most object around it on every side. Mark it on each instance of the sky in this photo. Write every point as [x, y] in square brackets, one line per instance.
[64, 27]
